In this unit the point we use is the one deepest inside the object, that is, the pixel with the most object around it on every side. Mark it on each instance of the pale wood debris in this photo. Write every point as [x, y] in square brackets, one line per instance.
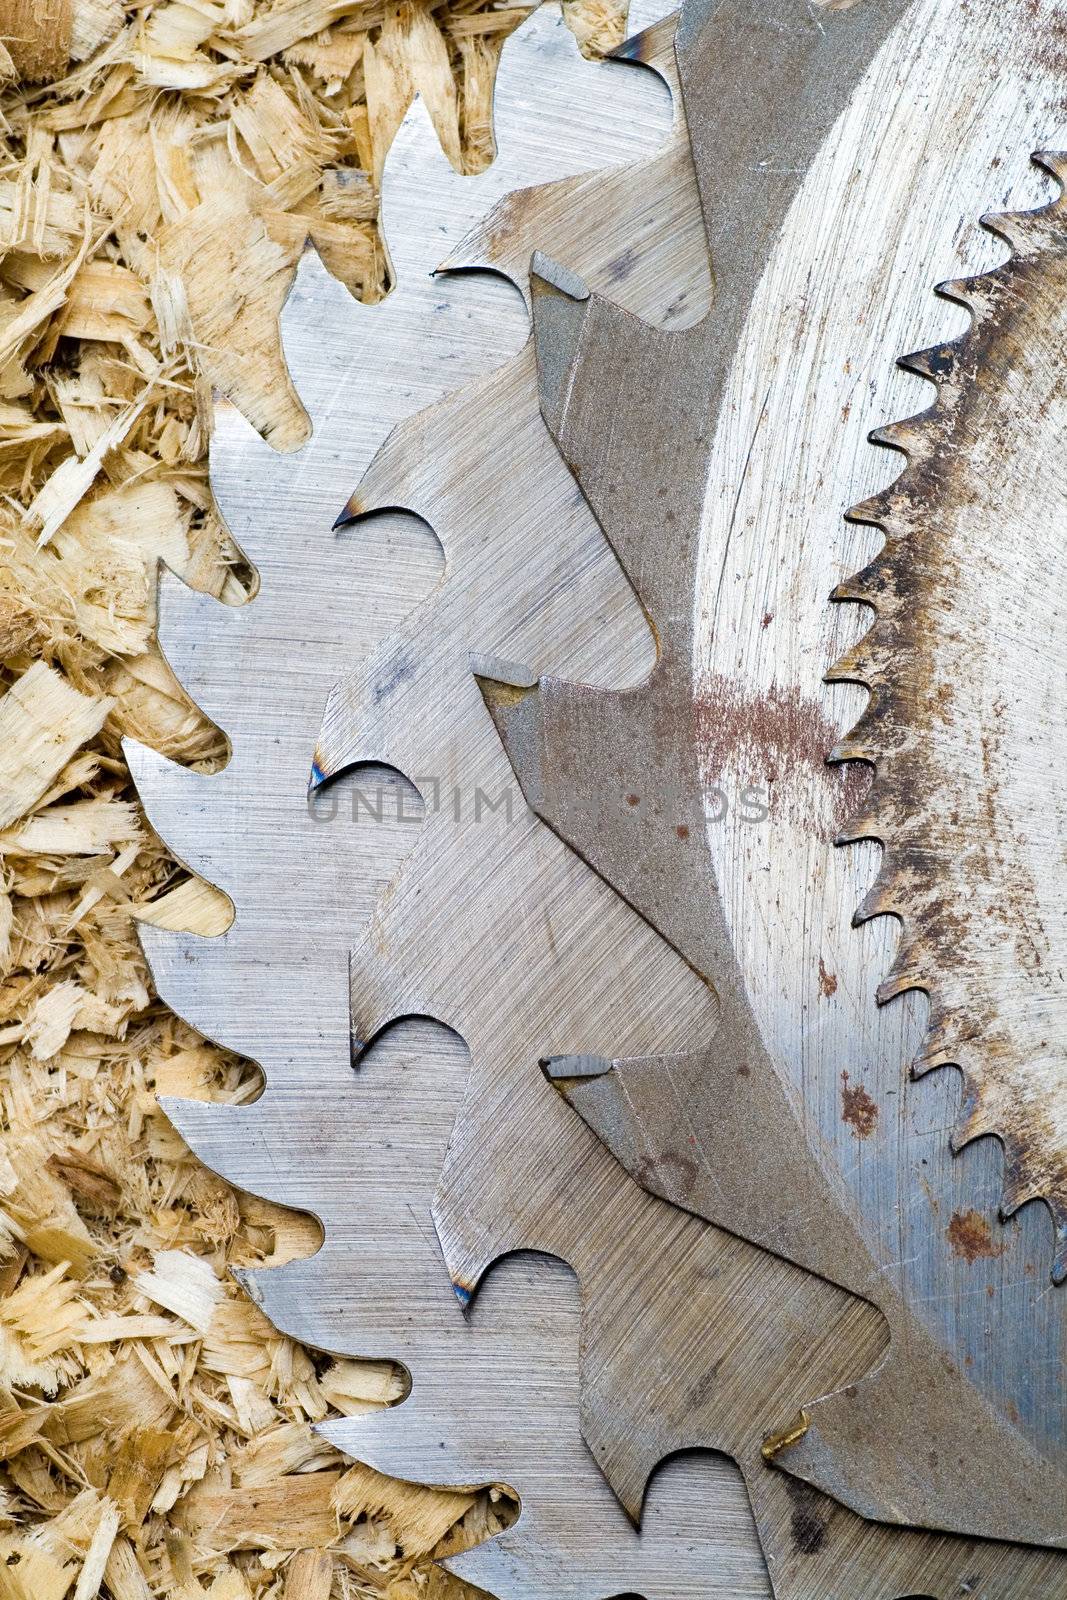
[165, 164]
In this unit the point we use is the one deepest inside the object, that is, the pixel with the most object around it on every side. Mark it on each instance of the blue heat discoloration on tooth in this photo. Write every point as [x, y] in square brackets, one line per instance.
[462, 1293]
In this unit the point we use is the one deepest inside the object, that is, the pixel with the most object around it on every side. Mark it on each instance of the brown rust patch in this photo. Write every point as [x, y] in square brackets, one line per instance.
[954, 761]
[810, 1519]
[827, 980]
[857, 1108]
[971, 1238]
[780, 741]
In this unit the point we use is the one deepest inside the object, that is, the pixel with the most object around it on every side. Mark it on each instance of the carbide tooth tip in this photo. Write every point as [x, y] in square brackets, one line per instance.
[558, 1068]
[546, 273]
[489, 669]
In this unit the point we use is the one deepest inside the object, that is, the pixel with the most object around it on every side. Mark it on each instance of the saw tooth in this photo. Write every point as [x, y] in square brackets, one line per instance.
[857, 665]
[966, 529]
[938, 1050]
[854, 746]
[489, 1567]
[387, 482]
[1055, 162]
[179, 803]
[974, 1121]
[862, 588]
[970, 292]
[939, 363]
[877, 509]
[234, 1141]
[859, 743]
[915, 437]
[878, 901]
[289, 1295]
[863, 824]
[356, 727]
[202, 640]
[875, 584]
[1017, 1192]
[239, 460]
[194, 976]
[1022, 230]
[316, 301]
[902, 976]
[487, 244]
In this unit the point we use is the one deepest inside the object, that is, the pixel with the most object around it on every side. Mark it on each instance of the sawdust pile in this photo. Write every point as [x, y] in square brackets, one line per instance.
[163, 165]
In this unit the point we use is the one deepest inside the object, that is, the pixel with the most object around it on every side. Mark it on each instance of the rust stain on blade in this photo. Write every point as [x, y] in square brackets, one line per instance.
[967, 721]
[758, 738]
[971, 1237]
[857, 1108]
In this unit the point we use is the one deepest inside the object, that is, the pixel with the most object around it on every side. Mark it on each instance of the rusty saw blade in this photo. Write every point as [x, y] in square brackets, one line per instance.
[965, 723]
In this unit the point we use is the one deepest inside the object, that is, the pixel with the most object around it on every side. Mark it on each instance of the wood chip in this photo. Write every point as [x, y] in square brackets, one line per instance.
[235, 279]
[419, 1517]
[193, 907]
[309, 1576]
[290, 1514]
[184, 1284]
[43, 721]
[92, 1573]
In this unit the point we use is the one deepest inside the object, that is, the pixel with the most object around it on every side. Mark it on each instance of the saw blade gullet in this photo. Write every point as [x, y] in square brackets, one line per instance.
[304, 875]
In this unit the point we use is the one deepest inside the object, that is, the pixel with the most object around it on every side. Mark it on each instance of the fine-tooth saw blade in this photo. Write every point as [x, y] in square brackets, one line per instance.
[618, 775]
[966, 724]
[498, 1389]
[394, 709]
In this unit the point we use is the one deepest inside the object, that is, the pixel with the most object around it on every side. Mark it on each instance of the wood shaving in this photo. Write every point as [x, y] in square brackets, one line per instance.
[166, 162]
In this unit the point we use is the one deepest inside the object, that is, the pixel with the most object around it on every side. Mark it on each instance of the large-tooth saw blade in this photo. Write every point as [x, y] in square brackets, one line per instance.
[497, 1391]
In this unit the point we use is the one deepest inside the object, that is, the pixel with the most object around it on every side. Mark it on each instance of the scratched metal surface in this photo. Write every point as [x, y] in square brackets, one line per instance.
[982, 1288]
[387, 710]
[568, 771]
[497, 1388]
[778, 539]
[578, 618]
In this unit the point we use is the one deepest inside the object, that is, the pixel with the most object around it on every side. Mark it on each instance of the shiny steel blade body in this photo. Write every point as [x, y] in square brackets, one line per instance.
[363, 1153]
